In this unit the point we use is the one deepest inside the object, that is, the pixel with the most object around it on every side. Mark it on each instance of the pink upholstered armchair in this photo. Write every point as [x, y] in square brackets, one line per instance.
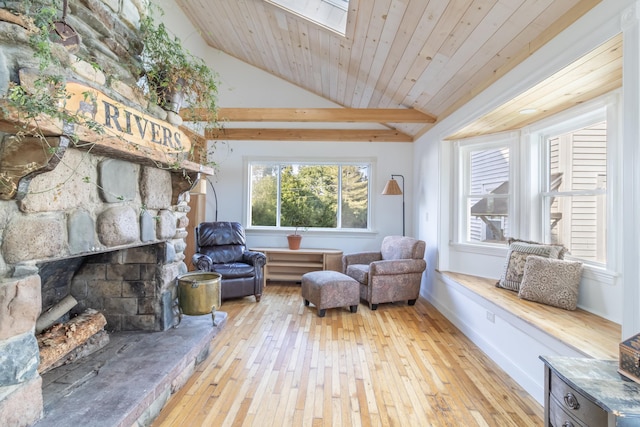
[393, 274]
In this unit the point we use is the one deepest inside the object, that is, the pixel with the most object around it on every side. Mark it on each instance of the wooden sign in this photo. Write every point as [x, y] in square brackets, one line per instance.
[125, 122]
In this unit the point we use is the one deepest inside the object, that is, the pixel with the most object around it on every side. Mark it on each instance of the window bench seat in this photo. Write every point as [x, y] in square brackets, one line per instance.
[515, 332]
[587, 333]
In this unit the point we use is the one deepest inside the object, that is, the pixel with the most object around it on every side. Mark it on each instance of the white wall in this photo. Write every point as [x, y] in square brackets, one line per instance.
[617, 297]
[629, 161]
[245, 86]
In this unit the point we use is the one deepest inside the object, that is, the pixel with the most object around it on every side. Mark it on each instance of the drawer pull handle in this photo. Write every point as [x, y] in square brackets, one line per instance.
[567, 424]
[571, 401]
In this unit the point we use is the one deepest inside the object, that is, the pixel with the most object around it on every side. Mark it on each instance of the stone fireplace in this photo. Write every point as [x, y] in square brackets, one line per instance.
[119, 256]
[102, 218]
[123, 239]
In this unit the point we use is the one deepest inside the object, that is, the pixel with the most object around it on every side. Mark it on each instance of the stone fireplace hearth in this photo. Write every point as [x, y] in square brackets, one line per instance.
[129, 381]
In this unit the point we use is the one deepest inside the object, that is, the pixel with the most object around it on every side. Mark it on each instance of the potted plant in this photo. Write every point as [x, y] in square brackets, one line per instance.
[296, 216]
[173, 75]
[294, 239]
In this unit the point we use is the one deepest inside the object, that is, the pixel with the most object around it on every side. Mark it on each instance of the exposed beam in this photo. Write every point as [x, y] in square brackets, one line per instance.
[328, 115]
[341, 135]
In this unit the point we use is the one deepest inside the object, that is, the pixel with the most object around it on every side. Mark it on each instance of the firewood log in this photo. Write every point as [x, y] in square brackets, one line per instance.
[60, 339]
[50, 316]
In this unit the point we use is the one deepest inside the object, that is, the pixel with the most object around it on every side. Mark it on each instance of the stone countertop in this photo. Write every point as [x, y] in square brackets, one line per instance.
[600, 380]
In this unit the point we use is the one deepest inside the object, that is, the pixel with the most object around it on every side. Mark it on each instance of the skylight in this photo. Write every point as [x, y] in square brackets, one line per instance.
[328, 13]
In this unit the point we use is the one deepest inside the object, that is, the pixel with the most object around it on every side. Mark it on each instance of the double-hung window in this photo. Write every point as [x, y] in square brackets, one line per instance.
[332, 195]
[548, 183]
[574, 193]
[485, 193]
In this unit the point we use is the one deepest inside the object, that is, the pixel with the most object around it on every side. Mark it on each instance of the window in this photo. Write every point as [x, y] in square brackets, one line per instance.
[485, 170]
[309, 195]
[327, 13]
[548, 183]
[574, 200]
[342, 4]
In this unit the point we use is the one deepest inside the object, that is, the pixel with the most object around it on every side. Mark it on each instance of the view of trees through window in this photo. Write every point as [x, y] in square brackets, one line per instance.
[309, 195]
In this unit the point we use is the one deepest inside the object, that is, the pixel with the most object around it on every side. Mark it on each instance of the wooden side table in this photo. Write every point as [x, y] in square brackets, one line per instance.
[289, 265]
[588, 392]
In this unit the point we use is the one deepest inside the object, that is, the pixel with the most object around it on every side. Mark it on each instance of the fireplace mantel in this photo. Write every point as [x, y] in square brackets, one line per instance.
[128, 134]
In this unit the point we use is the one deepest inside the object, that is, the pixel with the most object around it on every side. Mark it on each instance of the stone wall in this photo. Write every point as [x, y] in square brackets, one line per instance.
[123, 219]
[108, 39]
[87, 205]
[90, 204]
[20, 384]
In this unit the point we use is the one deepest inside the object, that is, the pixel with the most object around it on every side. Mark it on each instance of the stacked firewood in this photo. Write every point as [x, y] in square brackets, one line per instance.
[62, 343]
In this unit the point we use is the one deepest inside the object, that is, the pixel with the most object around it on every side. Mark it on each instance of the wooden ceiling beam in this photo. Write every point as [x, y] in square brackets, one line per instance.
[332, 135]
[328, 115]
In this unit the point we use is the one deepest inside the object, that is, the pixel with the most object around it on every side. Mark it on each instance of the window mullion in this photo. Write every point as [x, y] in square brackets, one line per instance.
[278, 195]
[339, 209]
[596, 192]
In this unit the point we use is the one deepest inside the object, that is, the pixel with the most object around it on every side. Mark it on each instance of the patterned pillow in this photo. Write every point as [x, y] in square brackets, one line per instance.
[516, 258]
[551, 281]
[561, 254]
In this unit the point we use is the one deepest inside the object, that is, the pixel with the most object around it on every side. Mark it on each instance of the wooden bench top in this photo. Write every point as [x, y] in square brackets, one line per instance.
[587, 333]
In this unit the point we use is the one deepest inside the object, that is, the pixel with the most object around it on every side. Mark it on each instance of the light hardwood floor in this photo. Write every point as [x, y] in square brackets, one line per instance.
[276, 363]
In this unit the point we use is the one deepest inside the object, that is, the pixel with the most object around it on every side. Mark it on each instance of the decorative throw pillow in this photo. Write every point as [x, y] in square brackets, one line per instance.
[551, 281]
[517, 256]
[561, 248]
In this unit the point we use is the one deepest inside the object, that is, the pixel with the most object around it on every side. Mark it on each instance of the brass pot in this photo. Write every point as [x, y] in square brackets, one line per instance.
[199, 292]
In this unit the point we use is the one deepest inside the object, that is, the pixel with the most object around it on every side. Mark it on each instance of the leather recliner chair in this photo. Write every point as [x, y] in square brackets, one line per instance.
[220, 247]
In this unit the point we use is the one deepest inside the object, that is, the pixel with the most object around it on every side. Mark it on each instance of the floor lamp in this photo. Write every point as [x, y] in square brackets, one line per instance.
[392, 189]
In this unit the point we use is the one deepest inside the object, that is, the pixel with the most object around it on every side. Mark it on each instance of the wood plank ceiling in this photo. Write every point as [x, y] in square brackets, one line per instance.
[411, 56]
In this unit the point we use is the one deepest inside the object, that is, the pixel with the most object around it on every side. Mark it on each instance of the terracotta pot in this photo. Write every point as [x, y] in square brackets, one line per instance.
[294, 241]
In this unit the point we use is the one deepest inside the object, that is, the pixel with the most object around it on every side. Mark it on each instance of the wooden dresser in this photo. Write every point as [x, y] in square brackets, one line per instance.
[582, 392]
[289, 265]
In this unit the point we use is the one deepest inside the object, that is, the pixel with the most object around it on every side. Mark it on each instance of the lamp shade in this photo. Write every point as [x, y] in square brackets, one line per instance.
[392, 188]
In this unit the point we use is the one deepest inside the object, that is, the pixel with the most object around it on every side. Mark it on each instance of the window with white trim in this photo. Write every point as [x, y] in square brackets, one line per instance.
[549, 183]
[574, 200]
[485, 197]
[331, 195]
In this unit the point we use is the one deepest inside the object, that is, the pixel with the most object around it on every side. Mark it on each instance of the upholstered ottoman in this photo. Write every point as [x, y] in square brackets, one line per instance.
[330, 289]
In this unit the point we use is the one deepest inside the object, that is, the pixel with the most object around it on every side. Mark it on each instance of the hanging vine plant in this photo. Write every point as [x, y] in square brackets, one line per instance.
[46, 94]
[173, 75]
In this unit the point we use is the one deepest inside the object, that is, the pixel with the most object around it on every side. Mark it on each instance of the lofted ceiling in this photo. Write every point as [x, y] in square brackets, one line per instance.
[593, 75]
[402, 64]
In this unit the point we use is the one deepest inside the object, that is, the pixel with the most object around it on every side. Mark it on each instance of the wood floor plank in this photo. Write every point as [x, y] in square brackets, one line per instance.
[277, 363]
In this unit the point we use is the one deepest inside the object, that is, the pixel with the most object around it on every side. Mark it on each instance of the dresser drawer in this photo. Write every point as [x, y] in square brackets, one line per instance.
[576, 404]
[558, 417]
